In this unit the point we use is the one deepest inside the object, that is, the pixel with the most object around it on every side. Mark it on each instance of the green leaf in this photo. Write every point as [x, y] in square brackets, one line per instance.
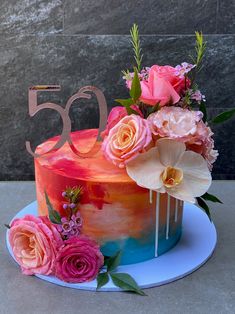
[54, 216]
[126, 282]
[204, 206]
[113, 262]
[102, 279]
[7, 226]
[135, 91]
[125, 102]
[202, 108]
[212, 198]
[224, 116]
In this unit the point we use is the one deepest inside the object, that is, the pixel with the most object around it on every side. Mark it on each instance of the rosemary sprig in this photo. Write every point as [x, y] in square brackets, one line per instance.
[135, 41]
[200, 48]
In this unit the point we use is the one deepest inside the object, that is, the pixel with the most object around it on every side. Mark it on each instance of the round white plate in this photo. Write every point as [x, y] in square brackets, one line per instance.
[192, 251]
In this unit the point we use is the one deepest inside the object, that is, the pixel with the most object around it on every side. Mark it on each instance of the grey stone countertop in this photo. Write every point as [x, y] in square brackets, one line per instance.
[210, 289]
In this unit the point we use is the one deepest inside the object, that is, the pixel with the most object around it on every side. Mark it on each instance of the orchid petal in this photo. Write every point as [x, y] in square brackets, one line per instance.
[170, 151]
[196, 173]
[146, 170]
[182, 192]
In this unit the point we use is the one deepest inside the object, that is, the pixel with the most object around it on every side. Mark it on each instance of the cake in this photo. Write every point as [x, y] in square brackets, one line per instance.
[116, 212]
[114, 195]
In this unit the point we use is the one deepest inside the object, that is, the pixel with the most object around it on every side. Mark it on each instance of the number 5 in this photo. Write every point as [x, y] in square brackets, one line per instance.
[64, 113]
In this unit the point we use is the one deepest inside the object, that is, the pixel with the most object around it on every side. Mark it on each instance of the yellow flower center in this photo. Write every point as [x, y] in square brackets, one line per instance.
[172, 176]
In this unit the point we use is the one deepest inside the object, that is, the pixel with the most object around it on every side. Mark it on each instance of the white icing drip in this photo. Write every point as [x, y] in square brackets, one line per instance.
[157, 222]
[150, 196]
[168, 216]
[176, 209]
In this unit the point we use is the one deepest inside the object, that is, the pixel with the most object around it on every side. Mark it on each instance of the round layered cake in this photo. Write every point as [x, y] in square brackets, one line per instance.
[116, 212]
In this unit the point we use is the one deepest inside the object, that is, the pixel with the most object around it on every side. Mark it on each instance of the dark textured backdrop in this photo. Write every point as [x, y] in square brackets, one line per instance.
[76, 43]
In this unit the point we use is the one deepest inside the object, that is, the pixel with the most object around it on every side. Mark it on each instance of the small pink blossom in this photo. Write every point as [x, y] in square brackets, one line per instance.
[70, 227]
[34, 242]
[182, 69]
[126, 140]
[78, 260]
[197, 95]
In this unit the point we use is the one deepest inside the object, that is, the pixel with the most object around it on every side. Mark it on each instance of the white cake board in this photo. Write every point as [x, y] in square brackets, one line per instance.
[192, 251]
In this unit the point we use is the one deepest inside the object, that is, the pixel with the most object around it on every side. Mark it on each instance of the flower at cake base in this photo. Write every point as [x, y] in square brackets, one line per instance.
[174, 122]
[78, 260]
[168, 167]
[163, 86]
[126, 140]
[34, 242]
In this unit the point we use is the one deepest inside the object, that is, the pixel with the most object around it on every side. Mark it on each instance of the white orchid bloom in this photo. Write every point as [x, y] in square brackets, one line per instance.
[168, 167]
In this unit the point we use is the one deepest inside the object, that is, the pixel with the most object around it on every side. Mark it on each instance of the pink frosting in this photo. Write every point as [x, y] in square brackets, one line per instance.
[163, 86]
[78, 260]
[126, 140]
[34, 242]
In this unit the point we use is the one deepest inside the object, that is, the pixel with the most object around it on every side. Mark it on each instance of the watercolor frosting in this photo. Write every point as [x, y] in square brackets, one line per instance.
[116, 212]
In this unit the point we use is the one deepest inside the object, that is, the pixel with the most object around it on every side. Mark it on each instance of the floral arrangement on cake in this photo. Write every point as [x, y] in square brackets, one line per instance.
[161, 136]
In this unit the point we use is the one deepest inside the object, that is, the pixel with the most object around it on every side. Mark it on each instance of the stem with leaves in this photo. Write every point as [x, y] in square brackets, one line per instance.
[121, 280]
[135, 40]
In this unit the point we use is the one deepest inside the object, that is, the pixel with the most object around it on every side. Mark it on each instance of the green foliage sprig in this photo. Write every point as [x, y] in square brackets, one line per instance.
[135, 41]
[121, 280]
[135, 93]
[207, 197]
[54, 216]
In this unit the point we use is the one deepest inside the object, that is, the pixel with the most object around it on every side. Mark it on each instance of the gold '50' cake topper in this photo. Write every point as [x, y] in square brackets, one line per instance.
[64, 113]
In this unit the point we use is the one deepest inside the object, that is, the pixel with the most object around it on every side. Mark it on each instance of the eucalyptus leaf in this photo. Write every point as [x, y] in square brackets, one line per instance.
[202, 108]
[54, 216]
[102, 279]
[204, 206]
[223, 116]
[126, 282]
[113, 262]
[212, 198]
[135, 91]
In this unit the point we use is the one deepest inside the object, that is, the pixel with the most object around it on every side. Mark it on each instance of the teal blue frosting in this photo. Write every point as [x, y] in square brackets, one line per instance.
[135, 251]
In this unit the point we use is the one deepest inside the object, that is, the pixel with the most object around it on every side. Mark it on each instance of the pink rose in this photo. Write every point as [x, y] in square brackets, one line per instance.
[174, 122]
[163, 86]
[78, 260]
[126, 140]
[115, 115]
[34, 242]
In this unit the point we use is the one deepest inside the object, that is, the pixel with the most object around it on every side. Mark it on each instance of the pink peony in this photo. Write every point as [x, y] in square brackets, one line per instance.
[126, 140]
[34, 242]
[203, 143]
[78, 260]
[174, 122]
[163, 86]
